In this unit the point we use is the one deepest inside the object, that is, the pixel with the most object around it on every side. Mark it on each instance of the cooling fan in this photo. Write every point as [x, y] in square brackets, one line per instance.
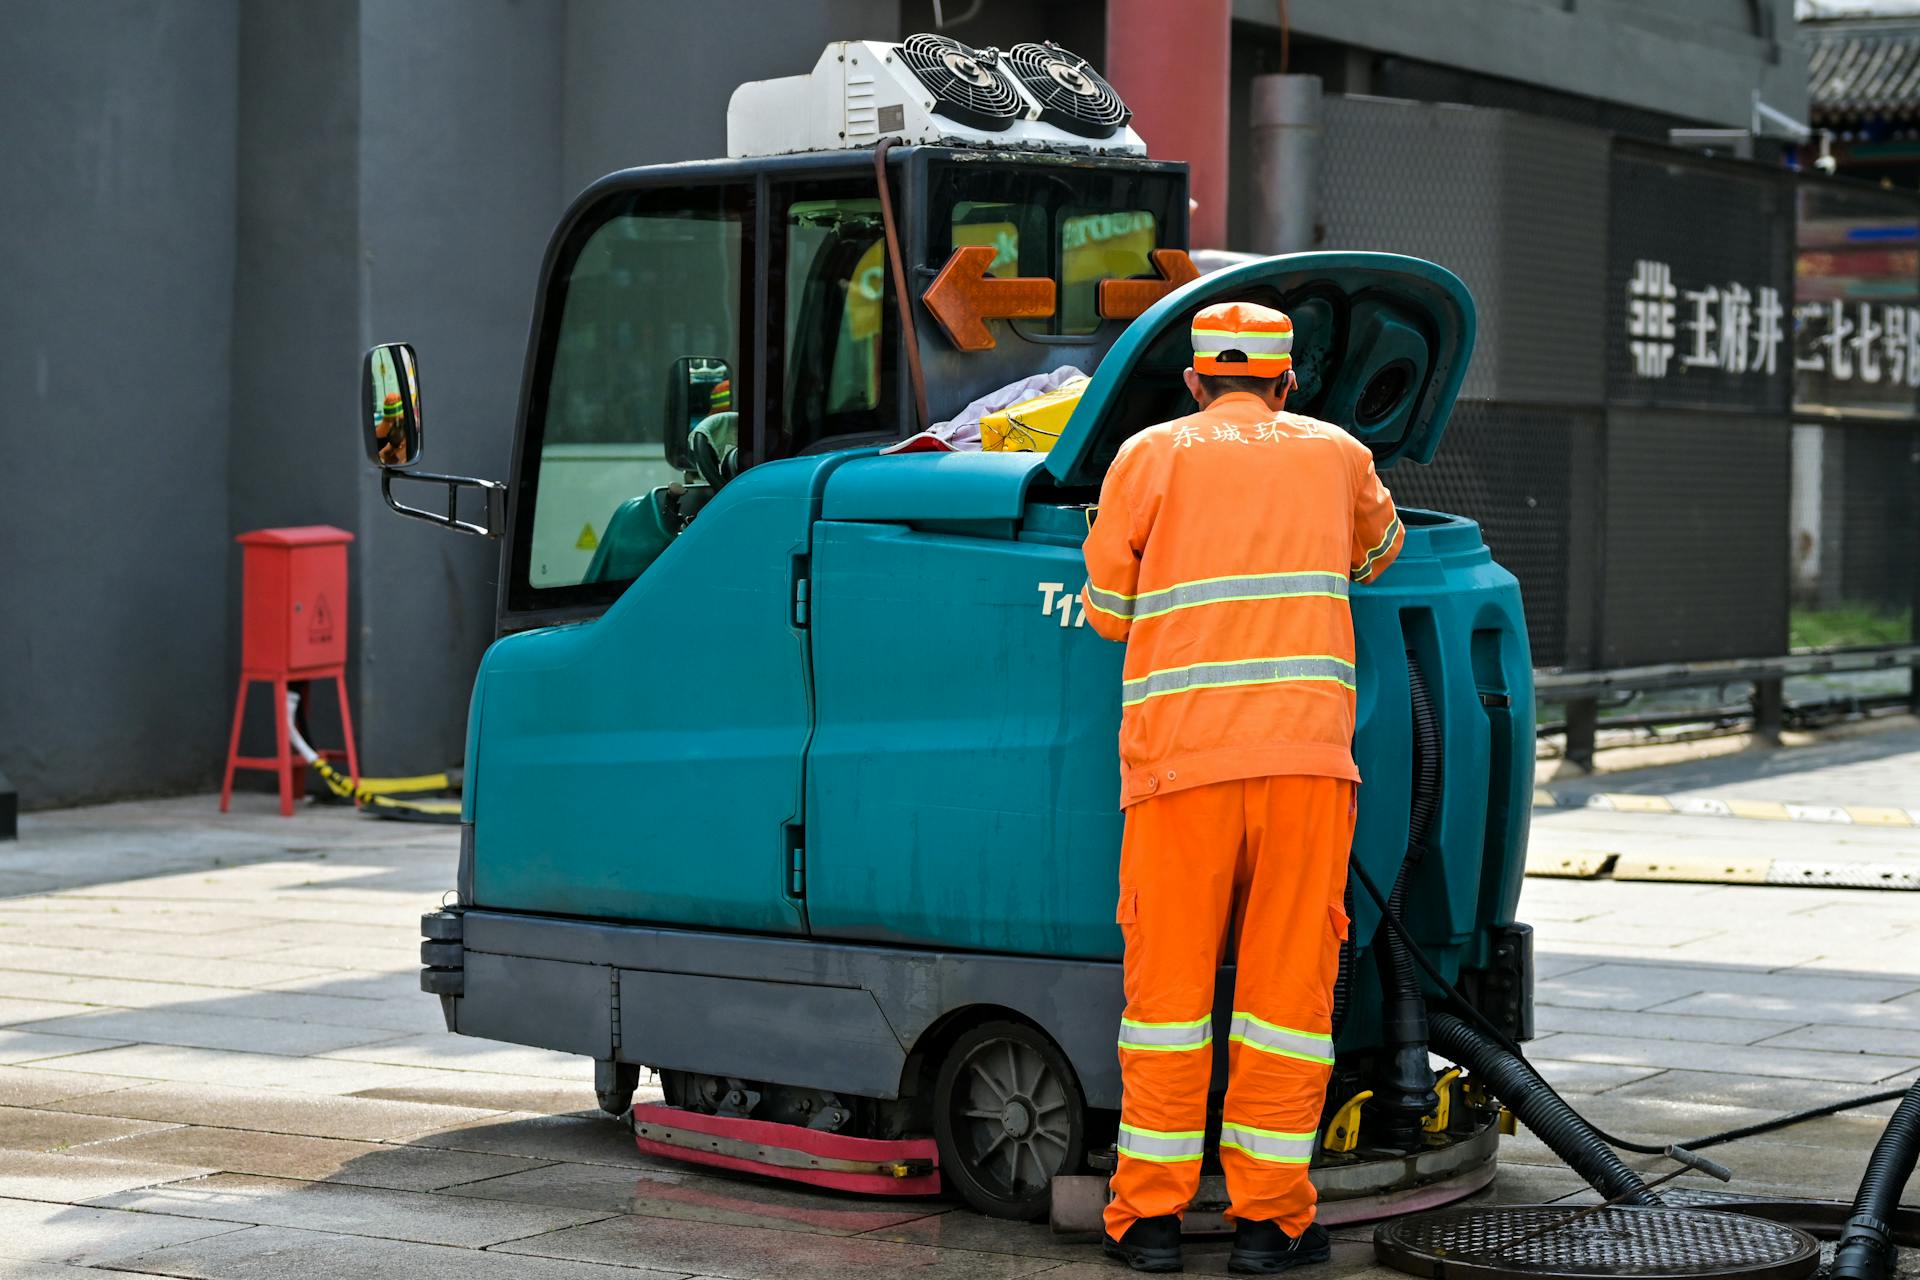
[1072, 95]
[967, 84]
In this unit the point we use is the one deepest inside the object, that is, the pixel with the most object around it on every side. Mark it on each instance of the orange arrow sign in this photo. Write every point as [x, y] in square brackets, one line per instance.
[1125, 299]
[963, 297]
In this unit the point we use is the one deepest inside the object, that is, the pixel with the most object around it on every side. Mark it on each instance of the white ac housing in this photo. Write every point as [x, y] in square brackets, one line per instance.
[864, 90]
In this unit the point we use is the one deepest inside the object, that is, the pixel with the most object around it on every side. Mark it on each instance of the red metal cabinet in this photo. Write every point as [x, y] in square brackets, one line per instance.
[294, 601]
[293, 631]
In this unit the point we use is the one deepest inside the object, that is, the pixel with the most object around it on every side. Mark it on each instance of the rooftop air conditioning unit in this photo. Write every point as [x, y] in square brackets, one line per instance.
[933, 89]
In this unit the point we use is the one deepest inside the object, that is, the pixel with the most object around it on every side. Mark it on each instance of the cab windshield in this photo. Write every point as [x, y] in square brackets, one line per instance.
[1078, 226]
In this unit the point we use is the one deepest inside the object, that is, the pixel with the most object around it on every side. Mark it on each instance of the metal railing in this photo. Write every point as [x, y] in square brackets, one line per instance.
[1582, 691]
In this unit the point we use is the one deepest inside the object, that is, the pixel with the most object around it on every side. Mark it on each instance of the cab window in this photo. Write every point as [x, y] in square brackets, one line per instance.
[1042, 225]
[647, 303]
[836, 340]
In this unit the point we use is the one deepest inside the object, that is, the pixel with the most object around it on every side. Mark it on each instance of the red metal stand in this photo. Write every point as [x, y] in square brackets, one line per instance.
[294, 631]
[285, 761]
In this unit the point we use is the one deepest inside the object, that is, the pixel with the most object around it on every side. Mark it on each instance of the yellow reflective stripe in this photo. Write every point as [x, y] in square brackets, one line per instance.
[1166, 1037]
[1365, 570]
[1267, 1144]
[1246, 671]
[1285, 1042]
[1230, 589]
[1161, 1147]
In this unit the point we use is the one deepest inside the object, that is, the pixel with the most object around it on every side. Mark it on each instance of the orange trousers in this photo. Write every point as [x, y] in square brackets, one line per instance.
[1266, 857]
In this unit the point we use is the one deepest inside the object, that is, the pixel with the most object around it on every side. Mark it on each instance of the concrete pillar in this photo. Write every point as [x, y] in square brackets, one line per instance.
[1286, 163]
[1171, 63]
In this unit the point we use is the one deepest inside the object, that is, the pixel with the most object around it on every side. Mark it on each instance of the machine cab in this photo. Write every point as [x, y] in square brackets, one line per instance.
[697, 320]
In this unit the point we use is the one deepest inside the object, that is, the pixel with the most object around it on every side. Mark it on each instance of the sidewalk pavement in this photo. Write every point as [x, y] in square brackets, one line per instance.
[215, 1062]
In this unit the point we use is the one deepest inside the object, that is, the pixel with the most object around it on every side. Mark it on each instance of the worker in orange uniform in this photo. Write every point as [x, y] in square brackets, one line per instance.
[1221, 553]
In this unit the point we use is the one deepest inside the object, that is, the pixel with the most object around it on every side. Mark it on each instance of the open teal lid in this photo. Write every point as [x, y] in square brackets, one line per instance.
[1380, 344]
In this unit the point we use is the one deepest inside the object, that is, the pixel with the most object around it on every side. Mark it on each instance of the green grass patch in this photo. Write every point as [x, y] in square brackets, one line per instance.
[1845, 625]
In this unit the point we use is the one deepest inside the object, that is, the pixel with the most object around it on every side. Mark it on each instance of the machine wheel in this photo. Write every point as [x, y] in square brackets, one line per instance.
[1008, 1115]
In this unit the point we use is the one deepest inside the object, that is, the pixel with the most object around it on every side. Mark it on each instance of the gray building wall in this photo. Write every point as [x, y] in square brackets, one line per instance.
[116, 322]
[1700, 60]
[213, 206]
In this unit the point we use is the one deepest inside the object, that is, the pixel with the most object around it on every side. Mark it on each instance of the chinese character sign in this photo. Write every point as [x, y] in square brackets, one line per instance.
[1868, 344]
[1723, 326]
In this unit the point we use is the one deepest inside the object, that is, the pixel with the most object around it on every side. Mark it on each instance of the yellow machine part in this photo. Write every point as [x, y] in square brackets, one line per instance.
[1444, 1089]
[1033, 425]
[1343, 1131]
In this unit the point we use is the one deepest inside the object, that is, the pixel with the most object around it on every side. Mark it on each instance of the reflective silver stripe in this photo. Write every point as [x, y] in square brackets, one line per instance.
[1213, 675]
[1166, 1037]
[1252, 586]
[1164, 1148]
[1366, 568]
[1253, 344]
[1265, 1144]
[1112, 602]
[1285, 1041]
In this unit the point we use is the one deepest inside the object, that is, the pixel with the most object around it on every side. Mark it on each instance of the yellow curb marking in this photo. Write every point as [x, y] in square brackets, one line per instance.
[1709, 870]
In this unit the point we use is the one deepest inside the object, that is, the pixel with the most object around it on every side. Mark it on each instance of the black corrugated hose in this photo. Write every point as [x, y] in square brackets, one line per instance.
[1865, 1251]
[1543, 1111]
[1405, 1094]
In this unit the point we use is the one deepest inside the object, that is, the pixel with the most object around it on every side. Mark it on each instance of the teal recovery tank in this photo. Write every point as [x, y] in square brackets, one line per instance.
[821, 813]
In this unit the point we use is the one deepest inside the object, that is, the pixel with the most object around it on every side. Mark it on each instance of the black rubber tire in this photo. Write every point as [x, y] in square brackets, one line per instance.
[615, 1102]
[1016, 1184]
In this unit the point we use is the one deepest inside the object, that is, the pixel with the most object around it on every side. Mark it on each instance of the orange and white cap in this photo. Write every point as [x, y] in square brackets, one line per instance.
[1240, 339]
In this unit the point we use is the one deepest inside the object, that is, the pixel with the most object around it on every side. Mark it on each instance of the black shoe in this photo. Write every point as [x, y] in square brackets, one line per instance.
[1150, 1244]
[1262, 1249]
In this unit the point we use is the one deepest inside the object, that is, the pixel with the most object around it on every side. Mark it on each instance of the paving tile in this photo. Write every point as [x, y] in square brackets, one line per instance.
[36, 1086]
[14, 1011]
[314, 1115]
[33, 1230]
[748, 1253]
[1569, 1076]
[349, 1210]
[102, 963]
[444, 1051]
[744, 1201]
[947, 1227]
[279, 1253]
[285, 1155]
[1890, 1014]
[1751, 1060]
[500, 1093]
[72, 1177]
[182, 1065]
[1775, 1095]
[17, 1046]
[576, 1139]
[29, 1129]
[1645, 986]
[1659, 1026]
[208, 1031]
[1878, 1040]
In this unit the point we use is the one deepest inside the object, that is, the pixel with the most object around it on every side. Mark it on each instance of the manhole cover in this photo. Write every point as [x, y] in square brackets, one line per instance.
[1555, 1240]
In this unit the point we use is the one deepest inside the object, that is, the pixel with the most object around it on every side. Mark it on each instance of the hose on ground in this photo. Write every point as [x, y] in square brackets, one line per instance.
[1865, 1250]
[1543, 1111]
[1463, 1007]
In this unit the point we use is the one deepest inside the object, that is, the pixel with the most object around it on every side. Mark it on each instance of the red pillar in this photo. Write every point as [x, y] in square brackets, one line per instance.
[1170, 61]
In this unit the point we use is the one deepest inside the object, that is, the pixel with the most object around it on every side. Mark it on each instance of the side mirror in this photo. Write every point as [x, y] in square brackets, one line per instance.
[390, 405]
[698, 387]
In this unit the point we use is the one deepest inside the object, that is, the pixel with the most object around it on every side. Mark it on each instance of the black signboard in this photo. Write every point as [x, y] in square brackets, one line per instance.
[1699, 280]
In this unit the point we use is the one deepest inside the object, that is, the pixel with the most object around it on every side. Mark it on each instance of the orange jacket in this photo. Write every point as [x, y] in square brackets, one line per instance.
[1221, 553]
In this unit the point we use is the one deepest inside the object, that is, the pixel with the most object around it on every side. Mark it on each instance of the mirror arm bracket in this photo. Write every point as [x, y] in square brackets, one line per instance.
[493, 491]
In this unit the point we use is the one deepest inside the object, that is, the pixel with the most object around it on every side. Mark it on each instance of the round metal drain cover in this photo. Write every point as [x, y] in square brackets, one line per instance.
[1498, 1241]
